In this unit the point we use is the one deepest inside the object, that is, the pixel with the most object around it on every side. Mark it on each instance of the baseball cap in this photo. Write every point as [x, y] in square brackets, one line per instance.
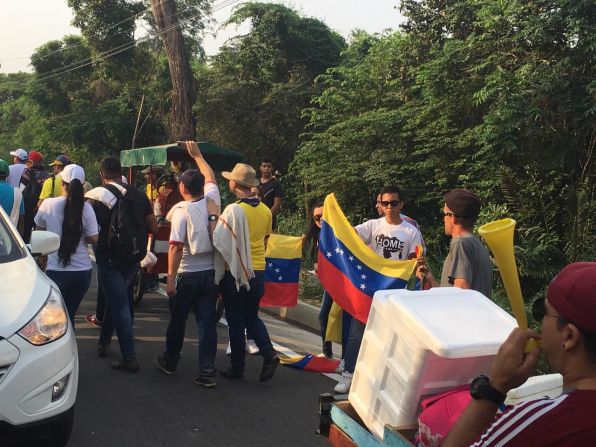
[573, 294]
[463, 203]
[21, 154]
[72, 172]
[35, 156]
[192, 179]
[61, 160]
[4, 169]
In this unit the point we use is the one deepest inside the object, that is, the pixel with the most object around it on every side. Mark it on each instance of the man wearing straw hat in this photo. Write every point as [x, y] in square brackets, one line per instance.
[568, 340]
[468, 264]
[241, 238]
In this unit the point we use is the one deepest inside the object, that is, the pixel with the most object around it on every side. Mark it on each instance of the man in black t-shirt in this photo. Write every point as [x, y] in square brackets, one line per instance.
[271, 190]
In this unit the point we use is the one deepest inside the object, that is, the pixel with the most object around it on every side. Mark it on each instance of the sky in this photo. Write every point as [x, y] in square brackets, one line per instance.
[22, 31]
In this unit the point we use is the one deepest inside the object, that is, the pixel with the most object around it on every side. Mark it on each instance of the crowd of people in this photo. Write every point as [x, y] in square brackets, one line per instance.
[214, 252]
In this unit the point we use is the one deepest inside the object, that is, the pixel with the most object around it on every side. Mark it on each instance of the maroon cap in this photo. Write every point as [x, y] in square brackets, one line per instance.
[573, 294]
[35, 156]
[463, 203]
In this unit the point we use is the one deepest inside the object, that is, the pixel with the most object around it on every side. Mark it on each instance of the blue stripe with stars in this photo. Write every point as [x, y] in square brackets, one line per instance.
[282, 270]
[362, 277]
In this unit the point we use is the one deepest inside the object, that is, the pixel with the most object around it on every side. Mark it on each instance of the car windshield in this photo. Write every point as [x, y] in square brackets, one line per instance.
[10, 250]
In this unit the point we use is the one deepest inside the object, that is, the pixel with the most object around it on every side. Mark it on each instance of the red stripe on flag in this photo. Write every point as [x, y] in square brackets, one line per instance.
[351, 299]
[280, 294]
[321, 364]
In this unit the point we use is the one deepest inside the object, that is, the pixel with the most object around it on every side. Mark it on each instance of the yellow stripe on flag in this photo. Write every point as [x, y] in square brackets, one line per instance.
[284, 247]
[334, 324]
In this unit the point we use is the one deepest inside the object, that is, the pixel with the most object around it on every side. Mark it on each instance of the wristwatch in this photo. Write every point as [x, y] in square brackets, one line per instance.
[480, 389]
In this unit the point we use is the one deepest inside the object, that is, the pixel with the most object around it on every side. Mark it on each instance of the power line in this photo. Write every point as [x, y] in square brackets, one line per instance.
[127, 46]
[134, 16]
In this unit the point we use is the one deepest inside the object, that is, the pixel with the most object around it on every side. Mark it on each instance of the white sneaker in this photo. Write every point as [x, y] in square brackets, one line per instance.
[251, 347]
[344, 383]
[229, 349]
[341, 367]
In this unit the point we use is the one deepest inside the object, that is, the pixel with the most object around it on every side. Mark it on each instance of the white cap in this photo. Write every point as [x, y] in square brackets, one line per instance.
[71, 172]
[21, 154]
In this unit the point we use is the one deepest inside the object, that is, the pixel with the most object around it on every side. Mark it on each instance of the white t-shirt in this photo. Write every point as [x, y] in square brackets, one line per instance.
[15, 174]
[50, 216]
[395, 242]
[178, 234]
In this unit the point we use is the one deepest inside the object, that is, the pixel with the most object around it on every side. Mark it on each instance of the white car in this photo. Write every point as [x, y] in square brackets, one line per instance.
[39, 364]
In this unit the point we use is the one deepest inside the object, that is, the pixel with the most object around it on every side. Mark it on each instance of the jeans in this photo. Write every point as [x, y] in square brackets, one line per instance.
[197, 291]
[73, 287]
[242, 313]
[116, 277]
[354, 341]
[326, 304]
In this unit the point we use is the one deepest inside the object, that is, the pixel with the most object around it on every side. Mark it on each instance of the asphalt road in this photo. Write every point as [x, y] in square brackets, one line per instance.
[150, 408]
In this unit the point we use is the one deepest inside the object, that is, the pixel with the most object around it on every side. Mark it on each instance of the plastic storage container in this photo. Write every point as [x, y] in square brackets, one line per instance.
[421, 343]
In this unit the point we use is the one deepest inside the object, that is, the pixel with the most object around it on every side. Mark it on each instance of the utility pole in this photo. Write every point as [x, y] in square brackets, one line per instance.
[182, 122]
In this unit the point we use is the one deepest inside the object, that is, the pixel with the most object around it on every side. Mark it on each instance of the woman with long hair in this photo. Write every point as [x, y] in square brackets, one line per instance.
[74, 221]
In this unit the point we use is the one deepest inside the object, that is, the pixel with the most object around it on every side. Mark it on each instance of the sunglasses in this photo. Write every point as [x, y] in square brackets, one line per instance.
[317, 217]
[393, 203]
[449, 214]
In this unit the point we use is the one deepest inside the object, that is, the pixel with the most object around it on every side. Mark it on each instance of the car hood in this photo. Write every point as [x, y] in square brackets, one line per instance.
[23, 290]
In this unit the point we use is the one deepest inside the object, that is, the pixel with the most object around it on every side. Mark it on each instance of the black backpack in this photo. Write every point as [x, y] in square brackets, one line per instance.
[127, 236]
[33, 188]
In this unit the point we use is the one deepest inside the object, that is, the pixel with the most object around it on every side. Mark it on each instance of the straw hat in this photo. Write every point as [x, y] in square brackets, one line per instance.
[242, 174]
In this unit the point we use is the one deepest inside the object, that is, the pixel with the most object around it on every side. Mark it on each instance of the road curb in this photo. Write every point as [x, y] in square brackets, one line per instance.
[305, 315]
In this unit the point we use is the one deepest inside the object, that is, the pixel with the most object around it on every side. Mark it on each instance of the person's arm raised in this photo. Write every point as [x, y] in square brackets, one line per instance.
[193, 150]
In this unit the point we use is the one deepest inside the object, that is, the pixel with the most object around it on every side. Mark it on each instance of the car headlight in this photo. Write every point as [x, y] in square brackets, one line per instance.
[50, 323]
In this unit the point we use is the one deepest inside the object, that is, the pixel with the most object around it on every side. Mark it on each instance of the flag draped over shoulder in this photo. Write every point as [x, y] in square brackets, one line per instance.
[282, 271]
[349, 270]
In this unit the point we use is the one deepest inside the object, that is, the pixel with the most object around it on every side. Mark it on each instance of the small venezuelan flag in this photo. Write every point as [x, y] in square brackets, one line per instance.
[349, 270]
[282, 271]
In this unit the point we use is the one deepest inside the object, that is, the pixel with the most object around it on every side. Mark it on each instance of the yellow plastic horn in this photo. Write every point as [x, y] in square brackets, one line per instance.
[499, 237]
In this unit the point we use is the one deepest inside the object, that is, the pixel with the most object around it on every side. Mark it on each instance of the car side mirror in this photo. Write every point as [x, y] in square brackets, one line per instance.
[43, 243]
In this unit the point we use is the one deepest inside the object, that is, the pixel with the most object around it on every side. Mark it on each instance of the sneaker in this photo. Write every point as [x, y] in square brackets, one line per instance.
[126, 365]
[164, 366]
[231, 373]
[102, 350]
[229, 349]
[341, 367]
[92, 320]
[251, 347]
[344, 383]
[207, 382]
[268, 370]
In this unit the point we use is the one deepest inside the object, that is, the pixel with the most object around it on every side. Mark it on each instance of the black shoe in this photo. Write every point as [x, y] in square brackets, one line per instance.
[231, 373]
[268, 370]
[102, 350]
[164, 365]
[126, 365]
[207, 382]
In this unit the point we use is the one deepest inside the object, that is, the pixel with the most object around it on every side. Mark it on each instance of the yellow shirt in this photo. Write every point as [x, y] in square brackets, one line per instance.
[46, 189]
[259, 225]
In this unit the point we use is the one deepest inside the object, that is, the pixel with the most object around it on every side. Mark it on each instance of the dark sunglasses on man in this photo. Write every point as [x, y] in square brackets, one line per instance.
[393, 203]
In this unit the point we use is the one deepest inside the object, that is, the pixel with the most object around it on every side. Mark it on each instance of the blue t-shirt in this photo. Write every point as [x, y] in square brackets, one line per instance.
[7, 198]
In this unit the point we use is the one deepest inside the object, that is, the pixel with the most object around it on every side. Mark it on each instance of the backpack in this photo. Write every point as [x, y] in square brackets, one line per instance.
[32, 190]
[127, 235]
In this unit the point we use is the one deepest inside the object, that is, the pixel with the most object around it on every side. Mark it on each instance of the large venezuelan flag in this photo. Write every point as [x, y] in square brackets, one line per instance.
[282, 271]
[349, 270]
[312, 363]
